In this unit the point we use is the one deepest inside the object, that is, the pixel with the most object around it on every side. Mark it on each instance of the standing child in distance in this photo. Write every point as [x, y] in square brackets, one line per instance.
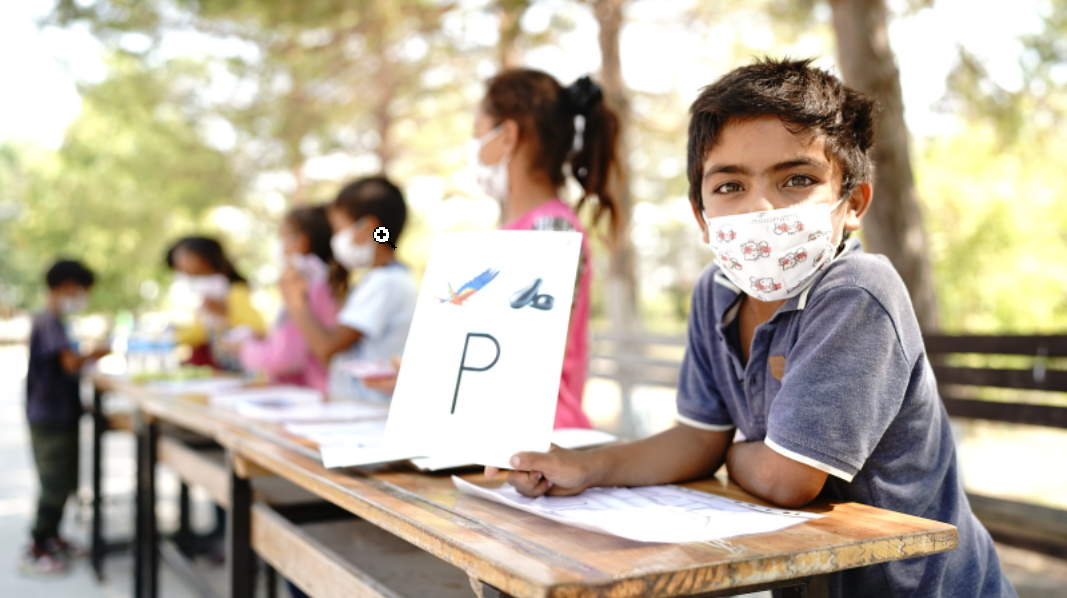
[54, 409]
[373, 323]
[284, 355]
[798, 339]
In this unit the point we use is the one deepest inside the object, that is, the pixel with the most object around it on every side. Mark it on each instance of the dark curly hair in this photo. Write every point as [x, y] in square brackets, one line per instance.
[806, 99]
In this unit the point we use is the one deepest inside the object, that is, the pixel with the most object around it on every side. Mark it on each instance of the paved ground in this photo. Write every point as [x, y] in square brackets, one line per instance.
[1032, 574]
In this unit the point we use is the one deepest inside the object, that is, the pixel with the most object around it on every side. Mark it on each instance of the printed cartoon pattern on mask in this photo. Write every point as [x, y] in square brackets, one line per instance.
[725, 233]
[790, 260]
[789, 226]
[816, 235]
[754, 251]
[729, 261]
[764, 285]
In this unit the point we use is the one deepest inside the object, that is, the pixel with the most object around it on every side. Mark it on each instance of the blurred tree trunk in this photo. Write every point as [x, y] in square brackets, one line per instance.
[621, 296]
[894, 225]
[511, 11]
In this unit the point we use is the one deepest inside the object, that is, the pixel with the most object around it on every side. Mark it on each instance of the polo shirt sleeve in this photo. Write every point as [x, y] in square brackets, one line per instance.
[700, 404]
[843, 385]
[369, 305]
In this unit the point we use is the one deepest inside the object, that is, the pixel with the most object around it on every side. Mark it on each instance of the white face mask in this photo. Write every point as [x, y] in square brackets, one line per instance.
[211, 286]
[776, 254]
[492, 178]
[350, 254]
[310, 266]
[72, 304]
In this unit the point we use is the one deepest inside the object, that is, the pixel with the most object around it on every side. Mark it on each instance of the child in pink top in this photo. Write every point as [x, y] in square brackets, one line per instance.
[524, 132]
[556, 216]
[284, 355]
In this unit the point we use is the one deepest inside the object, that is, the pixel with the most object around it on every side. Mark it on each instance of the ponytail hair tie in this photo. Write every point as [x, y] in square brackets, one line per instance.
[583, 95]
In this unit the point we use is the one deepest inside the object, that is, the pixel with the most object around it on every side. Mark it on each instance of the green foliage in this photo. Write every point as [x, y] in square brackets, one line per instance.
[996, 226]
[133, 172]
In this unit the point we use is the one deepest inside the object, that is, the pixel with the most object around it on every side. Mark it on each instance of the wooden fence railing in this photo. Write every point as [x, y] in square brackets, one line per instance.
[1010, 379]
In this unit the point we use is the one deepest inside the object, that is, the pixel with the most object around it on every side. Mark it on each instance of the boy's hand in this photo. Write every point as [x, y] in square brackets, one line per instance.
[294, 288]
[101, 352]
[217, 307]
[559, 472]
[384, 384]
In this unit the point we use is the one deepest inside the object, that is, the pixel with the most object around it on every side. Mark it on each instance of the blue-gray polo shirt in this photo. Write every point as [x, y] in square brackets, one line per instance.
[838, 379]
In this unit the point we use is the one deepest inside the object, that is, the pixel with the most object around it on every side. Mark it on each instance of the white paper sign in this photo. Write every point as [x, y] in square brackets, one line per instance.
[649, 514]
[482, 364]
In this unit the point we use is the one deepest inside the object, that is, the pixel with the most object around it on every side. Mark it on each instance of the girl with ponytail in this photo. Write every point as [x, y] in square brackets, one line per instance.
[524, 148]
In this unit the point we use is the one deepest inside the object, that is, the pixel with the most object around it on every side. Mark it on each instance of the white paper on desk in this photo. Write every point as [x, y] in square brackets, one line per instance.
[352, 454]
[198, 386]
[281, 395]
[361, 432]
[568, 438]
[670, 514]
[480, 377]
[308, 412]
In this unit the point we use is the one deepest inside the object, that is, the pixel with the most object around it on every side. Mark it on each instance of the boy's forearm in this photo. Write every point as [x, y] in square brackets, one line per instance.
[678, 454]
[760, 470]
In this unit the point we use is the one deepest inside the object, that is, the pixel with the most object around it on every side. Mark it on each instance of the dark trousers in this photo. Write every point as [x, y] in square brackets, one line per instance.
[55, 451]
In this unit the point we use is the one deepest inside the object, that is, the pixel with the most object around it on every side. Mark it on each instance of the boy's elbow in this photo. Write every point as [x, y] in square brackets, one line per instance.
[792, 497]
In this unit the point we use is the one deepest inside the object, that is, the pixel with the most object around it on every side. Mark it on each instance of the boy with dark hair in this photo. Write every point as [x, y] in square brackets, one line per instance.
[54, 408]
[798, 339]
[373, 323]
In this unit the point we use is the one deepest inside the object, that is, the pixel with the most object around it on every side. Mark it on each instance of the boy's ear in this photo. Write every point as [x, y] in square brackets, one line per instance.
[699, 215]
[858, 203]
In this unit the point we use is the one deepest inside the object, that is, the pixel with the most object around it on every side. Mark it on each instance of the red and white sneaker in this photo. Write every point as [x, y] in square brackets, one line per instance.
[37, 561]
[64, 549]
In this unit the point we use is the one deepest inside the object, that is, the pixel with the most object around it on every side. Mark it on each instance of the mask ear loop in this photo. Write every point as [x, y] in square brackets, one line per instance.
[845, 234]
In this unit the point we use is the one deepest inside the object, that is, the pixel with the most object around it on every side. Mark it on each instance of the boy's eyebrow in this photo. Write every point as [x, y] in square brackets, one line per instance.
[726, 169]
[799, 162]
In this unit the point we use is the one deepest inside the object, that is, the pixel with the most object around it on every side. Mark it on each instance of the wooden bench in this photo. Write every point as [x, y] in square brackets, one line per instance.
[1008, 379]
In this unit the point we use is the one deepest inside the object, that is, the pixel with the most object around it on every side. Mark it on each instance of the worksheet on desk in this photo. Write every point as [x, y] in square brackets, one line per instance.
[670, 514]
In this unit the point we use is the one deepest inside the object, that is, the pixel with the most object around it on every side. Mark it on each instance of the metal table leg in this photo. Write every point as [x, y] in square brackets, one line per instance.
[240, 558]
[97, 549]
[146, 553]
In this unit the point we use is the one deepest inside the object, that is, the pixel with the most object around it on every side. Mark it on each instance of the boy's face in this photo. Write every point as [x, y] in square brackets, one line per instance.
[341, 220]
[758, 165]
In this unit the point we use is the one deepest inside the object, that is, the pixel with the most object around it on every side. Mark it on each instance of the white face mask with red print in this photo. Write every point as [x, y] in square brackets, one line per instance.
[776, 254]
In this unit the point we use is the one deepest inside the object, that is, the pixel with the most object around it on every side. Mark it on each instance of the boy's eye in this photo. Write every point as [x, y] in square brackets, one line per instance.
[800, 180]
[728, 188]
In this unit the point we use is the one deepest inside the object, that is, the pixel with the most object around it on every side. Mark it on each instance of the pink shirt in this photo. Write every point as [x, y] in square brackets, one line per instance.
[284, 355]
[555, 215]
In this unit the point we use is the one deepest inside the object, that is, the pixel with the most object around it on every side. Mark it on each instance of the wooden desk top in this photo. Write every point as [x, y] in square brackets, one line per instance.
[528, 556]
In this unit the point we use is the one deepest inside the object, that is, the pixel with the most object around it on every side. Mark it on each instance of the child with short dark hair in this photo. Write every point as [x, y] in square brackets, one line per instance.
[798, 339]
[54, 408]
[373, 323]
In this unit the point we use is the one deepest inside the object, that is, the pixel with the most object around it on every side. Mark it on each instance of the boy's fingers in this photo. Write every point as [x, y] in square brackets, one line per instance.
[525, 481]
[490, 472]
[538, 489]
[529, 461]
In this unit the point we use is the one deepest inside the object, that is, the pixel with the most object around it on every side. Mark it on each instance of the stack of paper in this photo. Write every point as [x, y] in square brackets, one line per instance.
[280, 395]
[670, 514]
